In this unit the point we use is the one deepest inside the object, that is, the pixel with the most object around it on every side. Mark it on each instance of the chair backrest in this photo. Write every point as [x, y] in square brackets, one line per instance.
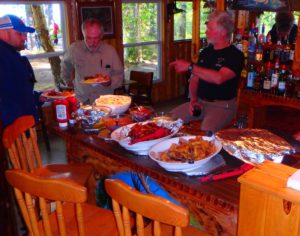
[158, 209]
[33, 192]
[22, 146]
[143, 88]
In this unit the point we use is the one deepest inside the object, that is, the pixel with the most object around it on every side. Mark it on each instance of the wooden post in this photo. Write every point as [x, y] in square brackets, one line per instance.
[196, 31]
[220, 5]
[296, 63]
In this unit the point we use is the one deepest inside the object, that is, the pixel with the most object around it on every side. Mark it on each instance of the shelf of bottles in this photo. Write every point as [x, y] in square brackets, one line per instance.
[267, 65]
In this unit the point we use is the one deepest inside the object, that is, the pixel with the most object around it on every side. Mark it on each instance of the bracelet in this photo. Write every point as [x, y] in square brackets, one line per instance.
[190, 68]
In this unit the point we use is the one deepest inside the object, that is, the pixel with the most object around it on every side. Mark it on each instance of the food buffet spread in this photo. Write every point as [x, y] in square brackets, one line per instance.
[183, 160]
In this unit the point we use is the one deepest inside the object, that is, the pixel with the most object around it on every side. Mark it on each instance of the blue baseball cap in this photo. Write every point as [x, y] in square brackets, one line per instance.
[14, 22]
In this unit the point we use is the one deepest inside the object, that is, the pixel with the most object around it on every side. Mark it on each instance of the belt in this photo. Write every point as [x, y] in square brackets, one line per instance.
[214, 100]
[209, 100]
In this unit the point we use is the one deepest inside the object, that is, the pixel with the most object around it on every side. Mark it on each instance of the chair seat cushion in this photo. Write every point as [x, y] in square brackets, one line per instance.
[76, 172]
[97, 221]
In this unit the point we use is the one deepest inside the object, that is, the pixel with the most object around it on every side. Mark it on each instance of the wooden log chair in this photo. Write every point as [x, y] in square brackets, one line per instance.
[71, 217]
[141, 90]
[167, 218]
[20, 140]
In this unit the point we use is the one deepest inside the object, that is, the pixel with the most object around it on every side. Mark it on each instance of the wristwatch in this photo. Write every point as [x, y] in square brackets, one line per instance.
[190, 68]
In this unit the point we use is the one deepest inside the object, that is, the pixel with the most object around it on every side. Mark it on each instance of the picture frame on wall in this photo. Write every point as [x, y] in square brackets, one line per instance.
[262, 5]
[103, 11]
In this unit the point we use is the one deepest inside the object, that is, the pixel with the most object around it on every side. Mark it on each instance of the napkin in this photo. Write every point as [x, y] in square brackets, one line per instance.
[294, 181]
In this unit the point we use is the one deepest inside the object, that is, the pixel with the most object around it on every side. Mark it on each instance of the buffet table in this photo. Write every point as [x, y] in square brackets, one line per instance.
[214, 204]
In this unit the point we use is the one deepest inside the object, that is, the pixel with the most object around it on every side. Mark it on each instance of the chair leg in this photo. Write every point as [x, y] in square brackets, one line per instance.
[44, 128]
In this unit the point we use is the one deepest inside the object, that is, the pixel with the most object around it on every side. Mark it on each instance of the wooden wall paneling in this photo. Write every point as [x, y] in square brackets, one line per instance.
[220, 5]
[168, 88]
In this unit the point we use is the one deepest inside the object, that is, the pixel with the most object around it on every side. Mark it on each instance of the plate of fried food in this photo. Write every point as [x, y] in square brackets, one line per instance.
[97, 79]
[185, 153]
[140, 137]
[52, 94]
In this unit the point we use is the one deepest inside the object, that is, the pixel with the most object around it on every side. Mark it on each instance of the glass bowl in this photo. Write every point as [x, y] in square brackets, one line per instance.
[141, 113]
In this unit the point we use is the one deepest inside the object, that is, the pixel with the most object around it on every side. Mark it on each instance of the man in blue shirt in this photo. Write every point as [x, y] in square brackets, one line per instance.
[16, 74]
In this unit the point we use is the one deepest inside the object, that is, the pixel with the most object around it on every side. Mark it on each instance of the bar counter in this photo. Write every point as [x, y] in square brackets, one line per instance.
[214, 204]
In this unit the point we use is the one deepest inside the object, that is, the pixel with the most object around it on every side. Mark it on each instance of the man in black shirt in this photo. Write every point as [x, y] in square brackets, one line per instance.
[214, 79]
[284, 30]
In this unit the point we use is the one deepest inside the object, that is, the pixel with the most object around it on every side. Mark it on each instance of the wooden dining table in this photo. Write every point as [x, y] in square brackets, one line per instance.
[214, 204]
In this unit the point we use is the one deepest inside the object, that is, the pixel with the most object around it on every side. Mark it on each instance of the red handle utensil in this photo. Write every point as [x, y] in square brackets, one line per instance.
[236, 172]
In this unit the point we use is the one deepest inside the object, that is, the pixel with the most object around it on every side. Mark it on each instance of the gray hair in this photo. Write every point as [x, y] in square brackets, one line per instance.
[223, 20]
[91, 22]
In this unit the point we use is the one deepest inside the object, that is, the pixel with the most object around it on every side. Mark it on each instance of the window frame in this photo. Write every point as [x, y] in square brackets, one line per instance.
[63, 26]
[157, 43]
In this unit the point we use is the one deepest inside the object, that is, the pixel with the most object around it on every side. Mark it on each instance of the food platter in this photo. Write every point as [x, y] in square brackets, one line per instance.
[117, 103]
[97, 79]
[175, 166]
[140, 148]
[52, 94]
[254, 146]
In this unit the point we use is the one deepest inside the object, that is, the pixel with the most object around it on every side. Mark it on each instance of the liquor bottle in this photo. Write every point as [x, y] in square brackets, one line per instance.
[267, 79]
[258, 79]
[261, 37]
[245, 43]
[238, 40]
[282, 81]
[259, 53]
[267, 49]
[285, 54]
[290, 84]
[251, 45]
[277, 50]
[250, 77]
[275, 77]
[292, 53]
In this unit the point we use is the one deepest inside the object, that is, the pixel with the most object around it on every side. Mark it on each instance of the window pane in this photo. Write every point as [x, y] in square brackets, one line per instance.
[141, 36]
[139, 22]
[38, 54]
[52, 13]
[268, 19]
[204, 12]
[43, 74]
[183, 21]
[144, 58]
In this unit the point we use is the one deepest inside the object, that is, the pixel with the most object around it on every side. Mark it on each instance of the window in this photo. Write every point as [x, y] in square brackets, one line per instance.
[183, 21]
[141, 36]
[39, 54]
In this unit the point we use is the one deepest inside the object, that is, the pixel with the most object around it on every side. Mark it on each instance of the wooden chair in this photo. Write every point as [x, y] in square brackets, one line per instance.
[167, 217]
[141, 90]
[71, 215]
[20, 140]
